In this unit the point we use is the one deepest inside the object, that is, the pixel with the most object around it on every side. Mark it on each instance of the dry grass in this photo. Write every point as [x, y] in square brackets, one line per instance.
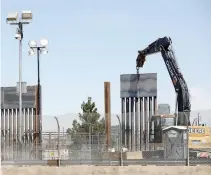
[96, 170]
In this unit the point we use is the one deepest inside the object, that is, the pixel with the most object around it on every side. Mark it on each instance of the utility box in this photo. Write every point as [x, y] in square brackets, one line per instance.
[175, 142]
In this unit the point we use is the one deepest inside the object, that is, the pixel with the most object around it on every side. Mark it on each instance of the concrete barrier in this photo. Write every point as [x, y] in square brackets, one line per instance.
[106, 170]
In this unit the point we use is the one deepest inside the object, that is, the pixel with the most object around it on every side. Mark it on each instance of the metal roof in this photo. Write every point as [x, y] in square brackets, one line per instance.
[175, 127]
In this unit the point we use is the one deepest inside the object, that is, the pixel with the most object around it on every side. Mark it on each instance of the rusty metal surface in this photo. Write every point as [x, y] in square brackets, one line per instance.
[107, 98]
[53, 162]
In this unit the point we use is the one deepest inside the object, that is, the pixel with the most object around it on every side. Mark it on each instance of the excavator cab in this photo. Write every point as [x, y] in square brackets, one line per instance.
[157, 124]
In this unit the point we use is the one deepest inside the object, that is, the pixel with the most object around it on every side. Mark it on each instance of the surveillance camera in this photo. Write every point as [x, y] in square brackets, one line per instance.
[18, 36]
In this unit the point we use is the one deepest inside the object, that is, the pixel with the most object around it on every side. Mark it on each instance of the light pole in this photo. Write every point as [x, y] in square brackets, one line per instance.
[14, 19]
[38, 49]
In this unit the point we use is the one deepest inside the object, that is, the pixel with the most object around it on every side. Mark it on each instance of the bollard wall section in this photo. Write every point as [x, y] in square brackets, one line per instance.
[138, 102]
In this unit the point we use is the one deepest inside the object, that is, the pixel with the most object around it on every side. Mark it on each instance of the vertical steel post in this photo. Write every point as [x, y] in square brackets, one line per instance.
[10, 134]
[123, 122]
[150, 115]
[137, 124]
[15, 133]
[30, 129]
[130, 131]
[3, 132]
[20, 28]
[39, 117]
[145, 127]
[127, 123]
[107, 98]
[20, 92]
[39, 94]
[7, 132]
[155, 105]
[141, 123]
[132, 124]
[27, 132]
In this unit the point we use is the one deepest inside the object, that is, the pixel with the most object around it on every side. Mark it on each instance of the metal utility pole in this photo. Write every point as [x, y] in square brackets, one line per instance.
[38, 49]
[38, 81]
[14, 19]
[20, 82]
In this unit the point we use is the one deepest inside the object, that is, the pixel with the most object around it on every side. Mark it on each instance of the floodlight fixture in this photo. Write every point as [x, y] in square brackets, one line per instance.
[31, 52]
[44, 51]
[12, 17]
[26, 15]
[44, 42]
[32, 44]
[38, 48]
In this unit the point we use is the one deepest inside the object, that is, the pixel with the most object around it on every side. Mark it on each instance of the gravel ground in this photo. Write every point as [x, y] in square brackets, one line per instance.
[104, 170]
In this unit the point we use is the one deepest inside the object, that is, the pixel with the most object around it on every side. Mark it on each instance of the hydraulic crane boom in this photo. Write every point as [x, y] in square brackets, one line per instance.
[164, 45]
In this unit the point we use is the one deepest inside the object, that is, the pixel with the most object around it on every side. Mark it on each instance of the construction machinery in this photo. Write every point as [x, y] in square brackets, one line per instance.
[183, 106]
[158, 123]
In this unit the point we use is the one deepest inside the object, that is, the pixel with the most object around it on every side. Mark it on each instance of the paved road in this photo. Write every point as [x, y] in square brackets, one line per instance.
[106, 170]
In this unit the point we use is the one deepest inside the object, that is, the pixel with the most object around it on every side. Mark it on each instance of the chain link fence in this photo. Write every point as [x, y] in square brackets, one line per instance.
[66, 146]
[92, 146]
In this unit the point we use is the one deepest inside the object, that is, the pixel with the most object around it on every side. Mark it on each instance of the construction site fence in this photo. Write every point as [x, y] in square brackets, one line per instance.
[90, 147]
[93, 146]
[67, 147]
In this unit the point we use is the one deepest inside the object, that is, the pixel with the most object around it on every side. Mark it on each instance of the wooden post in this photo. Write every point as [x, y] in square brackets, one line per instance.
[107, 98]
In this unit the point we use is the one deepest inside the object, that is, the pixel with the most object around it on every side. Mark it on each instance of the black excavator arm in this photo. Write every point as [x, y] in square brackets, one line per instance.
[164, 45]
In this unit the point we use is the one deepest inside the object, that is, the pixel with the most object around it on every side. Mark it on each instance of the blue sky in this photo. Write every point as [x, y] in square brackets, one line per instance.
[95, 41]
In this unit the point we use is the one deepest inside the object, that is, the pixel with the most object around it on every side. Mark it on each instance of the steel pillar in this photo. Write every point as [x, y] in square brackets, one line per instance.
[123, 121]
[107, 98]
[137, 123]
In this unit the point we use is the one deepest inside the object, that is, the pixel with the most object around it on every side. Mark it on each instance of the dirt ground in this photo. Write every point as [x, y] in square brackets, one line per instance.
[103, 170]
